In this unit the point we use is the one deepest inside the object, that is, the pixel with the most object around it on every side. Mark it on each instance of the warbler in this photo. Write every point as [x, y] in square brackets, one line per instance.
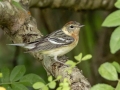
[57, 43]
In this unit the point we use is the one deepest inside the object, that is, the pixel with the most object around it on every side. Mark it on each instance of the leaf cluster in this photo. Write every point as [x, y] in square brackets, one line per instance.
[16, 80]
[52, 84]
[113, 20]
[110, 72]
[78, 59]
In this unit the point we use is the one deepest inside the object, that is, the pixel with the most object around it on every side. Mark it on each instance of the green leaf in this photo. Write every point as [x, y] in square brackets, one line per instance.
[66, 88]
[108, 71]
[50, 78]
[17, 73]
[65, 80]
[112, 20]
[30, 79]
[18, 87]
[52, 84]
[115, 40]
[61, 84]
[59, 77]
[45, 88]
[65, 84]
[102, 87]
[5, 75]
[117, 66]
[38, 85]
[71, 63]
[118, 86]
[117, 4]
[87, 57]
[78, 57]
[59, 88]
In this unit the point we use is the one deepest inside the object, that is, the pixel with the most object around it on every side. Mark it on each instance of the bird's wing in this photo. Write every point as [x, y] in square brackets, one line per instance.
[52, 41]
[59, 37]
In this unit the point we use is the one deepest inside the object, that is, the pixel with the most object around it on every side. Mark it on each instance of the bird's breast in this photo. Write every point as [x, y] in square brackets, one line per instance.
[75, 36]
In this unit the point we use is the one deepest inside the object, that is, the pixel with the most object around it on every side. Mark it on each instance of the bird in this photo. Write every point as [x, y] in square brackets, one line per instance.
[57, 43]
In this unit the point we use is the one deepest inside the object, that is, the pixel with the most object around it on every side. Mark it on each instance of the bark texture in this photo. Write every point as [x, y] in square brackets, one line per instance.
[21, 28]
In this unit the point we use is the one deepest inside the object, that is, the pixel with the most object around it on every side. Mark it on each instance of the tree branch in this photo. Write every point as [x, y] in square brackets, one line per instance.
[21, 28]
[74, 4]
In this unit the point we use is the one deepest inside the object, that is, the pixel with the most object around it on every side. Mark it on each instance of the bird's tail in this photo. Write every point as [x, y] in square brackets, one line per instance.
[18, 44]
[24, 45]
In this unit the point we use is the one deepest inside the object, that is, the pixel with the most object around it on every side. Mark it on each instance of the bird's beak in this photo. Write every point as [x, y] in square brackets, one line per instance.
[81, 25]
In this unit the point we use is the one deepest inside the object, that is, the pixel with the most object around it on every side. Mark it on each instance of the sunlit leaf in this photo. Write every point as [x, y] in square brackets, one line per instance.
[108, 71]
[71, 63]
[52, 84]
[66, 88]
[59, 88]
[117, 4]
[59, 77]
[45, 88]
[102, 87]
[65, 80]
[38, 85]
[61, 84]
[50, 78]
[87, 57]
[78, 57]
[117, 66]
[115, 40]
[65, 84]
[112, 20]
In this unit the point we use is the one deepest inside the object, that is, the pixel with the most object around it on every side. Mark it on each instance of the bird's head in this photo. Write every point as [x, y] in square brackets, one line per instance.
[71, 28]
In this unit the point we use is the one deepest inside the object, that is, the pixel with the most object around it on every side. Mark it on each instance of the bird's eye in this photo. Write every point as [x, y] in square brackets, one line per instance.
[71, 26]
